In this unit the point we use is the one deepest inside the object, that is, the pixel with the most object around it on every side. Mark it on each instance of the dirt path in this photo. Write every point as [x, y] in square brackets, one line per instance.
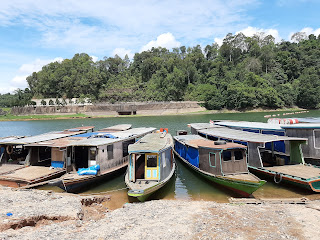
[47, 215]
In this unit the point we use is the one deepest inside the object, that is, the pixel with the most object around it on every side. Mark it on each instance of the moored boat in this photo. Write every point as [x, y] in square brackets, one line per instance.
[151, 165]
[94, 157]
[269, 163]
[24, 166]
[220, 162]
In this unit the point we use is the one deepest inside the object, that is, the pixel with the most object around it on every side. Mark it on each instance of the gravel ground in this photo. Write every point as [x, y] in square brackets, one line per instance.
[46, 215]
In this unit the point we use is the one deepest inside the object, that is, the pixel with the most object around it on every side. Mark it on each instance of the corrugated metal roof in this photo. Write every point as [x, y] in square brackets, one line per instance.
[115, 128]
[8, 139]
[252, 125]
[240, 135]
[86, 140]
[302, 125]
[47, 136]
[153, 142]
[198, 141]
[198, 126]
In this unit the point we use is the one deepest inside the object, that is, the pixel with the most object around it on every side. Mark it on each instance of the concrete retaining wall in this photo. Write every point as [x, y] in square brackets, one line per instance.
[141, 108]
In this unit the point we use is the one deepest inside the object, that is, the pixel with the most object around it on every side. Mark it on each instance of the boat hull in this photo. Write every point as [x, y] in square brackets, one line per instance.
[78, 185]
[309, 184]
[242, 187]
[144, 194]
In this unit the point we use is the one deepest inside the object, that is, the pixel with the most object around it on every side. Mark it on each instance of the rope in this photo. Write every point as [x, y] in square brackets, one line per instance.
[275, 178]
[100, 193]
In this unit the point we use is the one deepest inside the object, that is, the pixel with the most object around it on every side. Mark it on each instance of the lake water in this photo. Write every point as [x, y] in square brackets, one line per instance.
[186, 184]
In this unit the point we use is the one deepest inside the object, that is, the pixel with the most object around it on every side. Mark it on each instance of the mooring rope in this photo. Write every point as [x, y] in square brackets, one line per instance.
[100, 193]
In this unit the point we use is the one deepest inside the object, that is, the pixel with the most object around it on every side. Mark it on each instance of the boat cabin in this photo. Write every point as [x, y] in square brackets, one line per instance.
[215, 157]
[258, 154]
[15, 150]
[150, 159]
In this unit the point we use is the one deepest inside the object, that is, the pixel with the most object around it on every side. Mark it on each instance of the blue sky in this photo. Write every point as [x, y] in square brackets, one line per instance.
[34, 33]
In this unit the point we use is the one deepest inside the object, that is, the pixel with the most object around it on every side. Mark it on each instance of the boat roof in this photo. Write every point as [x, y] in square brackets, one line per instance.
[251, 125]
[302, 126]
[309, 120]
[94, 138]
[233, 134]
[198, 126]
[116, 128]
[47, 136]
[9, 138]
[153, 142]
[197, 141]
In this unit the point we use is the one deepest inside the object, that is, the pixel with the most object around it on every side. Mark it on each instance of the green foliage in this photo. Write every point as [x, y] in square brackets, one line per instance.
[244, 72]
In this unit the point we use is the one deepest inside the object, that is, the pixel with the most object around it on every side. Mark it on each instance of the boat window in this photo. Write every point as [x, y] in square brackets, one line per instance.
[110, 152]
[212, 159]
[92, 153]
[212, 138]
[238, 155]
[125, 145]
[316, 135]
[226, 155]
[151, 161]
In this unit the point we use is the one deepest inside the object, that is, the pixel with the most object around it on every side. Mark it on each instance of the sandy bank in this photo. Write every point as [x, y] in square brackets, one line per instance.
[47, 215]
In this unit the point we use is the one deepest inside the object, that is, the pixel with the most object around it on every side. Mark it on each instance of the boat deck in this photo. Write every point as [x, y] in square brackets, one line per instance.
[142, 184]
[31, 173]
[299, 170]
[6, 168]
[244, 177]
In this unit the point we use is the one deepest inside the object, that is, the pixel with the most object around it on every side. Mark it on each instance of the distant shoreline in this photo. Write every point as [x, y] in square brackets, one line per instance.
[9, 117]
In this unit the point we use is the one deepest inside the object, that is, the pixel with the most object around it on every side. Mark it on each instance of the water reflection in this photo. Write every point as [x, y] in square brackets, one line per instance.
[186, 184]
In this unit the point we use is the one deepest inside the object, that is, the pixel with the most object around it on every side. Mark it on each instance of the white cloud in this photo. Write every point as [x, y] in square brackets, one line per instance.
[166, 40]
[94, 58]
[19, 81]
[250, 31]
[219, 41]
[308, 31]
[80, 26]
[122, 52]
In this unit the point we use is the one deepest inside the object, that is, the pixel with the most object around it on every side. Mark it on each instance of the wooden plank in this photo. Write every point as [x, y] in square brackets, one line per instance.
[299, 170]
[302, 200]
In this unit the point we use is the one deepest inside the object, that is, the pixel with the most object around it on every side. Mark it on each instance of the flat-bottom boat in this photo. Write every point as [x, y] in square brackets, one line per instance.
[220, 162]
[151, 165]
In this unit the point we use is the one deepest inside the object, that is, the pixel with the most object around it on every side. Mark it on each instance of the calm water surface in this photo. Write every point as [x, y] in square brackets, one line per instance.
[186, 184]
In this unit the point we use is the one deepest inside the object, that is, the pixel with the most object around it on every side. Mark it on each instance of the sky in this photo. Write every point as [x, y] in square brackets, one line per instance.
[34, 33]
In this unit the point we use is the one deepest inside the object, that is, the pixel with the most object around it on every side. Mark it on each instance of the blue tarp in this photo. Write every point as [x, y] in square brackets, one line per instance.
[193, 156]
[93, 170]
[279, 146]
[181, 149]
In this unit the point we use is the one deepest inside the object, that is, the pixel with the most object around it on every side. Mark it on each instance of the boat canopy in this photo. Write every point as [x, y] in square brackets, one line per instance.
[87, 140]
[250, 125]
[232, 134]
[154, 142]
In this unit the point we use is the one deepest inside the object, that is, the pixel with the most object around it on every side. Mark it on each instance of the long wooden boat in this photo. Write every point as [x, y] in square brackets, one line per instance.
[22, 166]
[100, 154]
[151, 165]
[280, 167]
[221, 162]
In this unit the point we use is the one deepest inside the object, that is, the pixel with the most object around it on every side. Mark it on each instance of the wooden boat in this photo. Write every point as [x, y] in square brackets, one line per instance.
[281, 167]
[304, 128]
[108, 151]
[151, 165]
[23, 166]
[221, 162]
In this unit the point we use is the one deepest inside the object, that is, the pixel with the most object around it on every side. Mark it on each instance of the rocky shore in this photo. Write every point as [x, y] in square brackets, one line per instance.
[37, 214]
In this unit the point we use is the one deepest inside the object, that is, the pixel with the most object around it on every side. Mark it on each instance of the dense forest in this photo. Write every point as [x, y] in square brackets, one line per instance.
[242, 73]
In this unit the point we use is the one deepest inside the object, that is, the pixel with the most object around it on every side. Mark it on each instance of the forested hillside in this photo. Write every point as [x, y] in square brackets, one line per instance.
[245, 72]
